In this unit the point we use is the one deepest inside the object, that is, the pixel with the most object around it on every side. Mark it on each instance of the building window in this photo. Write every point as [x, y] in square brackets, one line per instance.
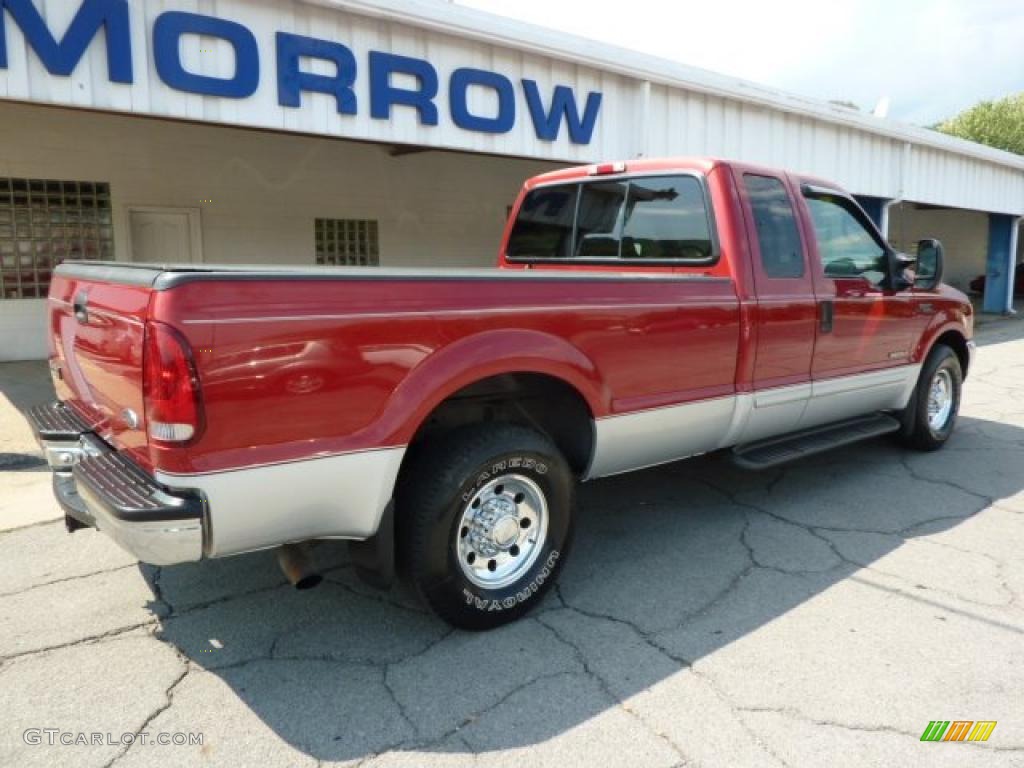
[45, 222]
[347, 242]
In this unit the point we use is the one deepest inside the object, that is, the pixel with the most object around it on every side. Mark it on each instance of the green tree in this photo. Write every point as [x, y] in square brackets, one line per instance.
[998, 124]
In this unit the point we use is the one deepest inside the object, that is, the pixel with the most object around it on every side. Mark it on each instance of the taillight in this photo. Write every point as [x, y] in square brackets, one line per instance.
[170, 386]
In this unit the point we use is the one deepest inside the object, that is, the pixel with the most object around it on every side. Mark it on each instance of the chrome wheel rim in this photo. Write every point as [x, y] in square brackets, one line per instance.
[940, 400]
[501, 531]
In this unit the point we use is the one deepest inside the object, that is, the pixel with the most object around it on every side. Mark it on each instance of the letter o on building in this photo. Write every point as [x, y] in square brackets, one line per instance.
[167, 33]
[458, 100]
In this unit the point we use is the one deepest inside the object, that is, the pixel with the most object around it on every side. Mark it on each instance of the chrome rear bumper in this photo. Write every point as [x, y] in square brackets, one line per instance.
[100, 488]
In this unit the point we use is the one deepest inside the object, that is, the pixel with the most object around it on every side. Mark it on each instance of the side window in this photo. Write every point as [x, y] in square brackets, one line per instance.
[775, 222]
[666, 218]
[847, 248]
[597, 223]
[543, 228]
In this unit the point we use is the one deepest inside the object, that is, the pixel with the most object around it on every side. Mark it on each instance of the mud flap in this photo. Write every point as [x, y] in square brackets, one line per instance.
[374, 558]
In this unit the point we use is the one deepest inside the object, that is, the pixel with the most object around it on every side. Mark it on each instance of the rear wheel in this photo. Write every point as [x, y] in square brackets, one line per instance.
[930, 417]
[485, 520]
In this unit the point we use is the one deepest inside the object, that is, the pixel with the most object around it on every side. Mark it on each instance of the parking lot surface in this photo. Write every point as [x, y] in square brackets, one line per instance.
[821, 614]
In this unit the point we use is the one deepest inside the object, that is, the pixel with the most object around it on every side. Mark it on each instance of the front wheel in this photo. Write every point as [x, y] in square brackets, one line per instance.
[484, 522]
[930, 416]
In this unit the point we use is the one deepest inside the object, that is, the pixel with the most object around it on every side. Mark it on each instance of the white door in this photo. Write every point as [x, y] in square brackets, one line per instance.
[164, 235]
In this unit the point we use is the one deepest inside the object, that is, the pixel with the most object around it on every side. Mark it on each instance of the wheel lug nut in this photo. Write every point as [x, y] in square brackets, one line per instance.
[524, 523]
[514, 551]
[492, 565]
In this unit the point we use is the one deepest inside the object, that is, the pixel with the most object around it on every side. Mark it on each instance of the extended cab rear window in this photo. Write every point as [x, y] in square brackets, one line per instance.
[648, 220]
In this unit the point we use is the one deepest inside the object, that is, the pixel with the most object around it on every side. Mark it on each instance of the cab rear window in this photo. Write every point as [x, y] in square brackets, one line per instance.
[657, 219]
[544, 226]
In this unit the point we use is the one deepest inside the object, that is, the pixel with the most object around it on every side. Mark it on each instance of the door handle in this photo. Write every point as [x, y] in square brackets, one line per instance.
[826, 315]
[80, 307]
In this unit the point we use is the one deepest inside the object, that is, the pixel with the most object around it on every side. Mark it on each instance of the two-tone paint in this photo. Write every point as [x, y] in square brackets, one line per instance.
[314, 381]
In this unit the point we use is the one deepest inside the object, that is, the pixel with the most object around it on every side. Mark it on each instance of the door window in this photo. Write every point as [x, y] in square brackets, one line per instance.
[775, 222]
[847, 247]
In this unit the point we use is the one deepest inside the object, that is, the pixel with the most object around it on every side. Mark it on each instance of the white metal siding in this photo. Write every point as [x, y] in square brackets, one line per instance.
[650, 107]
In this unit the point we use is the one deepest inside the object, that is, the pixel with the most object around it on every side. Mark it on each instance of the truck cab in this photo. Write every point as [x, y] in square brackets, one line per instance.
[835, 318]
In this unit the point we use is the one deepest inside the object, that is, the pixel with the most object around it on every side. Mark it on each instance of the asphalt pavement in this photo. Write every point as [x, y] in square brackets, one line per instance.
[822, 614]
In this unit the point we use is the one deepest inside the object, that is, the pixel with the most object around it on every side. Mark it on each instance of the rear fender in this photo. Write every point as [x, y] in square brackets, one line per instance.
[482, 356]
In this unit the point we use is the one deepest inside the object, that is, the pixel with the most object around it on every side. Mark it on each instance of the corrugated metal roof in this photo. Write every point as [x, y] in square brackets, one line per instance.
[473, 24]
[650, 107]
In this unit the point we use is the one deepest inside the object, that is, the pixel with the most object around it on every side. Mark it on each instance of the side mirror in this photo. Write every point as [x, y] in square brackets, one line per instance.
[902, 270]
[930, 264]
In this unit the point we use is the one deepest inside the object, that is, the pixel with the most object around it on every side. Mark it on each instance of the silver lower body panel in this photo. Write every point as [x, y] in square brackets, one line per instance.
[646, 438]
[339, 496]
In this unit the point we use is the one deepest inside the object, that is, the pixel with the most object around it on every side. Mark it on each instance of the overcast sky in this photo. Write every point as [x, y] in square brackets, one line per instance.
[932, 58]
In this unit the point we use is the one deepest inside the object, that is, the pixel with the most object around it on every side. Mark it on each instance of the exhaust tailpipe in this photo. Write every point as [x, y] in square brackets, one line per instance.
[297, 565]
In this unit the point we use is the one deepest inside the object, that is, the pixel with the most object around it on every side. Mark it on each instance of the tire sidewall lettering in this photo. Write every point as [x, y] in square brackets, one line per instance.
[521, 595]
[512, 464]
[528, 466]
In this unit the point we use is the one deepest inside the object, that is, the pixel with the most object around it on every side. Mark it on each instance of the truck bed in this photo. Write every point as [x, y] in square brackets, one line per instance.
[295, 362]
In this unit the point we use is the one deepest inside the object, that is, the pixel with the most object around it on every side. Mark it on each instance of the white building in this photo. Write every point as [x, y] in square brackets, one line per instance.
[383, 131]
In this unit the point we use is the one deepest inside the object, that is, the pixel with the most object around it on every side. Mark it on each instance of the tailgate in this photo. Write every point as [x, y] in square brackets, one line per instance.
[97, 327]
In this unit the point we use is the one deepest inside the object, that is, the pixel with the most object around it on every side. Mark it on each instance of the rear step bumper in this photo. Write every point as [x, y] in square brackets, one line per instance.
[98, 487]
[59, 431]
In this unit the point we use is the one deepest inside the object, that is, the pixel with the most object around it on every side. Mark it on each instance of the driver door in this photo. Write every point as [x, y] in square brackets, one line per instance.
[866, 331]
[863, 324]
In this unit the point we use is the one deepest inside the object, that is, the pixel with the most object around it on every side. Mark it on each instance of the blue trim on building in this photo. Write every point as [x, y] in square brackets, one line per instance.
[1000, 263]
[874, 207]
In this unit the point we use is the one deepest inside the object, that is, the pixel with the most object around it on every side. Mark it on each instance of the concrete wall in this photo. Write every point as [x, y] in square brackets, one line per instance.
[22, 329]
[964, 235]
[434, 208]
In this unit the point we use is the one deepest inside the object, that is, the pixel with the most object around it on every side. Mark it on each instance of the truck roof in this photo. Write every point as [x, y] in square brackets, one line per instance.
[636, 165]
[703, 165]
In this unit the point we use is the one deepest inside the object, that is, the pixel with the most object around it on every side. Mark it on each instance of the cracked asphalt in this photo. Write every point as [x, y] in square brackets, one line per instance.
[821, 614]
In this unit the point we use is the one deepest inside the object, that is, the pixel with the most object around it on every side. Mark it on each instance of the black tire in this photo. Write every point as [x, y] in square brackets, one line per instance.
[444, 478]
[917, 432]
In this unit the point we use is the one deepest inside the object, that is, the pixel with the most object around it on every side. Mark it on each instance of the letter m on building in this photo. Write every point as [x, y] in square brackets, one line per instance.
[935, 730]
[61, 57]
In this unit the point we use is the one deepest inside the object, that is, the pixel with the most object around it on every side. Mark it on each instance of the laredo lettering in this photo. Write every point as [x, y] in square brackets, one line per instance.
[521, 596]
[395, 82]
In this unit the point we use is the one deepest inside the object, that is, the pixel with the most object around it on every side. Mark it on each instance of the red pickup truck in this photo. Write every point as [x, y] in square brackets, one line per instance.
[642, 312]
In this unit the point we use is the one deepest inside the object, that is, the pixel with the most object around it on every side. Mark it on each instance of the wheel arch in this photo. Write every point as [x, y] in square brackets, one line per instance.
[948, 331]
[545, 402]
[499, 364]
[957, 341]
